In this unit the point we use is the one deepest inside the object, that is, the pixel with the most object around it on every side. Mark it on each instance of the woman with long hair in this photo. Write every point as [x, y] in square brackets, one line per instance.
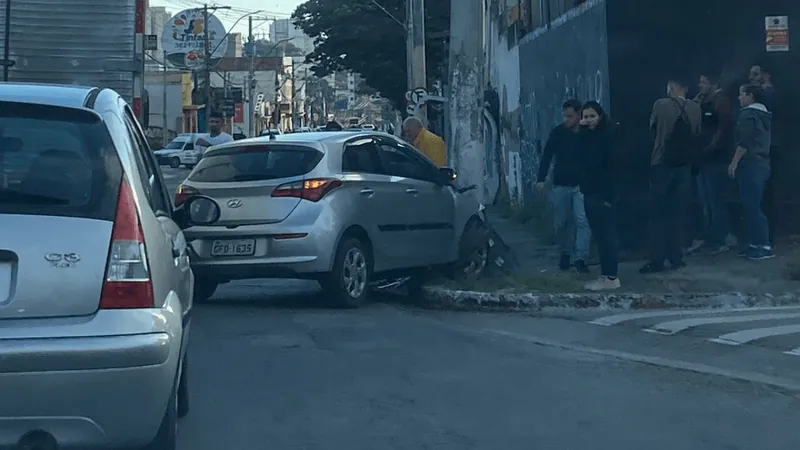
[599, 193]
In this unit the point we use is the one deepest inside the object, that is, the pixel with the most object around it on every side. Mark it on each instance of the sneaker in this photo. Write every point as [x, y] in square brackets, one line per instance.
[743, 250]
[603, 284]
[696, 245]
[759, 253]
[563, 264]
[581, 267]
[717, 250]
[677, 265]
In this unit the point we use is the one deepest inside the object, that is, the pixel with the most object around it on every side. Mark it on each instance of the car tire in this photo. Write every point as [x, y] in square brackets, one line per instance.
[175, 163]
[167, 435]
[183, 389]
[473, 251]
[348, 283]
[204, 289]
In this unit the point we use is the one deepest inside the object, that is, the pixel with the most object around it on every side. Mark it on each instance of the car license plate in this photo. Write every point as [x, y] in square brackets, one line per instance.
[239, 247]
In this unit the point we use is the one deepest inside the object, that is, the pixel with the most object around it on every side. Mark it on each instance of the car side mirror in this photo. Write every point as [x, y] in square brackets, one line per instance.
[447, 175]
[199, 210]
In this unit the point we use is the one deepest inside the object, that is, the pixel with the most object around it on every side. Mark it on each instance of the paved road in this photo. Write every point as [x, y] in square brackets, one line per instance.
[270, 368]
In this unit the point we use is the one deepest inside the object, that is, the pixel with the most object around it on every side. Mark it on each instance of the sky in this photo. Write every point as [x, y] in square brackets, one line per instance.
[273, 8]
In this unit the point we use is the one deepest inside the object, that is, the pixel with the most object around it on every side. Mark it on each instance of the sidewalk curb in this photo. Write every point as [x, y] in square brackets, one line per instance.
[437, 297]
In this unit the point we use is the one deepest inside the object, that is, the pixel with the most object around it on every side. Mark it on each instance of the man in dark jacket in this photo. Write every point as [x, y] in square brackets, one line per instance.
[716, 140]
[750, 166]
[572, 228]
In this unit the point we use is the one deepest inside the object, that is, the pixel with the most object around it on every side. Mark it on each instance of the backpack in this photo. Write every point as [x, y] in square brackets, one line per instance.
[682, 144]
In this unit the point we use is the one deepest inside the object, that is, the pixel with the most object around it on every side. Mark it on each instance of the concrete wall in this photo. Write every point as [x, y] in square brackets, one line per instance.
[154, 84]
[569, 59]
[465, 147]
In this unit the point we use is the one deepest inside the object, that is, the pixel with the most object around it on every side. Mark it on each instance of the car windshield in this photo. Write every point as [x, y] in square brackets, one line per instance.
[175, 145]
[255, 164]
[56, 161]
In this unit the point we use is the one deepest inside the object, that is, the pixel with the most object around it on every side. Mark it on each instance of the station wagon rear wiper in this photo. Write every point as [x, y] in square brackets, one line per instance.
[9, 196]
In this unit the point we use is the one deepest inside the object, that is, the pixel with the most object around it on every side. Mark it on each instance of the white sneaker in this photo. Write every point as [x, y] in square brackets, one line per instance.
[603, 284]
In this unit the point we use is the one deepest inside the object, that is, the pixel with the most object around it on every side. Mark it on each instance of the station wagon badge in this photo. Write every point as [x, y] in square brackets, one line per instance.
[62, 260]
[234, 203]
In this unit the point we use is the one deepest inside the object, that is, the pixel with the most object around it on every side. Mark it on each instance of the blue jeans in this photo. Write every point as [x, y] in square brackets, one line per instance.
[572, 228]
[752, 179]
[714, 181]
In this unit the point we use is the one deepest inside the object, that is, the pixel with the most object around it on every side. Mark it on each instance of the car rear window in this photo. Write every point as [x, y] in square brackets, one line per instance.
[251, 163]
[56, 162]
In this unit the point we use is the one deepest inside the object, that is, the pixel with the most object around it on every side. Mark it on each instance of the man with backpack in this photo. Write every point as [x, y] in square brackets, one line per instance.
[675, 127]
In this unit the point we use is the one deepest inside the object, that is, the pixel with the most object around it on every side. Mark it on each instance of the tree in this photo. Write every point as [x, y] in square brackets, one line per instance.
[357, 36]
[277, 49]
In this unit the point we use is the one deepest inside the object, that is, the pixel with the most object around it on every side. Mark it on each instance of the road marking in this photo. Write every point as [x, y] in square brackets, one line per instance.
[745, 336]
[626, 317]
[795, 352]
[752, 377]
[676, 326]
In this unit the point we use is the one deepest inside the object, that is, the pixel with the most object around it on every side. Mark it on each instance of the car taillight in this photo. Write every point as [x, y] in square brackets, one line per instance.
[184, 193]
[127, 283]
[312, 190]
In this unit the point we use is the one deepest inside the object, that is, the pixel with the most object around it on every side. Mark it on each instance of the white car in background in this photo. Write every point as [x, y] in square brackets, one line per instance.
[178, 152]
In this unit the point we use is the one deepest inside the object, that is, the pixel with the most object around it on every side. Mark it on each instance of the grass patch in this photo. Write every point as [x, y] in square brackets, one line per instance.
[523, 283]
[536, 214]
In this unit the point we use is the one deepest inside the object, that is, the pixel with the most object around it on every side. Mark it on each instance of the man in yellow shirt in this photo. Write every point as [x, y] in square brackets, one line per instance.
[425, 141]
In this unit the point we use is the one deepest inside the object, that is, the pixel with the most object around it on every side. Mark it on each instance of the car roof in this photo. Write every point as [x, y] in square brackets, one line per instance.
[315, 139]
[66, 96]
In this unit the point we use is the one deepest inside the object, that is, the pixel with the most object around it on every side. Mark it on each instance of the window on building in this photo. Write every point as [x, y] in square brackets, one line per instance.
[536, 13]
[559, 7]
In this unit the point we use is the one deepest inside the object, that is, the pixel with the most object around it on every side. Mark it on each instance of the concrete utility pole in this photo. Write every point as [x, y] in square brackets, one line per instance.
[294, 98]
[207, 61]
[165, 128]
[251, 82]
[7, 39]
[415, 45]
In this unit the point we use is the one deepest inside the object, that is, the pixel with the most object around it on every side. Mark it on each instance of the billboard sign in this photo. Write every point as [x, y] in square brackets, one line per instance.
[183, 39]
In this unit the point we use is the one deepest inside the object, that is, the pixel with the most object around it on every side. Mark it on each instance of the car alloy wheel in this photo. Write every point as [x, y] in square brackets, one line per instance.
[354, 272]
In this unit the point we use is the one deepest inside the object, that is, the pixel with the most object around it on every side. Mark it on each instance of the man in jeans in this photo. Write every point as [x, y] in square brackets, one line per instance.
[716, 139]
[572, 228]
[750, 167]
[670, 175]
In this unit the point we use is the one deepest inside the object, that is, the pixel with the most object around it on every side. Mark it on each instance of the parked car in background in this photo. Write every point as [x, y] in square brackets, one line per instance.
[178, 152]
[352, 210]
[368, 127]
[273, 131]
[95, 283]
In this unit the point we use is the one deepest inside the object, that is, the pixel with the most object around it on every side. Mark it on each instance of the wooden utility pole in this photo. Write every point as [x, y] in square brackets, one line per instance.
[415, 44]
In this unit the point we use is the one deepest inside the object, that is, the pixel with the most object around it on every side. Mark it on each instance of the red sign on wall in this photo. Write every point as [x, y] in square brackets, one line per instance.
[238, 113]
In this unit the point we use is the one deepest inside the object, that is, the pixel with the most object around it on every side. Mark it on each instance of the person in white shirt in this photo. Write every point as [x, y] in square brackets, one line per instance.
[216, 136]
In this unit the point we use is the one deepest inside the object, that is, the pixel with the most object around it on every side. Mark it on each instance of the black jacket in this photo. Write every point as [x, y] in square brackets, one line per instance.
[754, 133]
[563, 145]
[598, 168]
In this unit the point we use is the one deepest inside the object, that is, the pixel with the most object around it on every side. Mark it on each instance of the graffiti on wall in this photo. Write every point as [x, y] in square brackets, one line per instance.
[566, 62]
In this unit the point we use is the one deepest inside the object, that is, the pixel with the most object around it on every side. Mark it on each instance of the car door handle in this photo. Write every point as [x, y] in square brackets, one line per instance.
[412, 191]
[367, 192]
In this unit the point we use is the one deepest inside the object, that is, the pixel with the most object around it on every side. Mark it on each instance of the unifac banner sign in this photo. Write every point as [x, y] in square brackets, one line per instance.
[183, 39]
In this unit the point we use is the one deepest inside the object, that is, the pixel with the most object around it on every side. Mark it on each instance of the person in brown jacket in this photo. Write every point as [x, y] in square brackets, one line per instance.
[675, 126]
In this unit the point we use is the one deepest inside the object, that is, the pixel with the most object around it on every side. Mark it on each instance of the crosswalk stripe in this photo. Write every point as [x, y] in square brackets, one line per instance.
[676, 326]
[745, 336]
[626, 317]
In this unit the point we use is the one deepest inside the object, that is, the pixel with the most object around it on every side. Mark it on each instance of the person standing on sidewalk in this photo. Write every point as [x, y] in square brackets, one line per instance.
[761, 76]
[425, 141]
[716, 140]
[750, 167]
[597, 186]
[569, 214]
[675, 125]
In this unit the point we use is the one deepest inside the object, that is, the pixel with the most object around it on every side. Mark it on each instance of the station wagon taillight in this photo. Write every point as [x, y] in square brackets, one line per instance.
[312, 190]
[127, 282]
[184, 193]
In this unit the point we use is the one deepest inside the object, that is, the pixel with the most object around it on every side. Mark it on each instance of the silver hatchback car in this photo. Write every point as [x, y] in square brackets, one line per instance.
[348, 209]
[95, 281]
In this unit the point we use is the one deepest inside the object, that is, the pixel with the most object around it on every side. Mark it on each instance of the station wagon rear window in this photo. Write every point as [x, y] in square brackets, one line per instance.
[57, 162]
[255, 163]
